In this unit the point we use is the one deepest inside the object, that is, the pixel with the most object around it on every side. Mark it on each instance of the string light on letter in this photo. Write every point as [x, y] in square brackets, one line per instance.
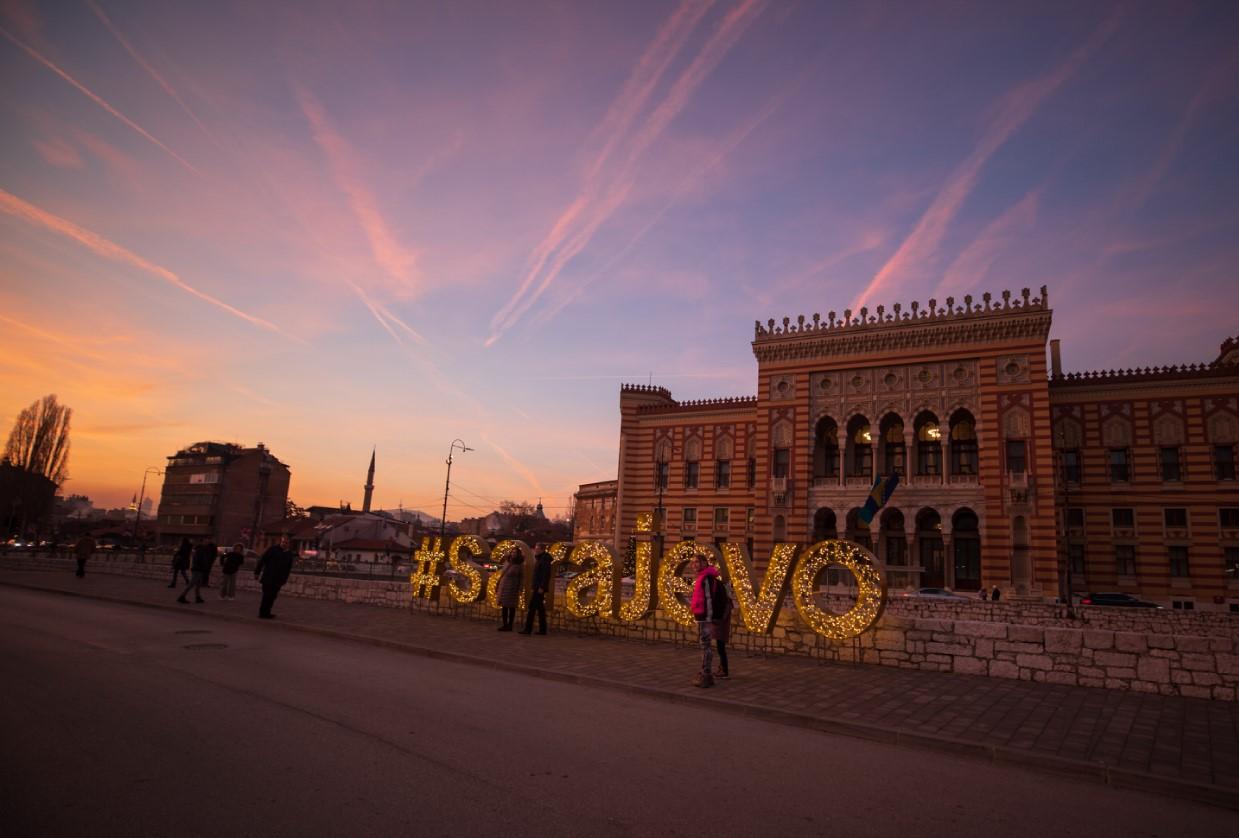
[599, 562]
[425, 579]
[671, 585]
[639, 604]
[505, 550]
[465, 550]
[759, 612]
[870, 595]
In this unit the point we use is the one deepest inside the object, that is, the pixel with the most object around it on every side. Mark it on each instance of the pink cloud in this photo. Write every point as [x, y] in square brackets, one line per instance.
[98, 100]
[59, 153]
[96, 243]
[973, 263]
[919, 248]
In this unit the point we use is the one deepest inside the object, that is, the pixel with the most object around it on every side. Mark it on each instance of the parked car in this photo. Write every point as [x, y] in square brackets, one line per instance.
[1116, 599]
[934, 593]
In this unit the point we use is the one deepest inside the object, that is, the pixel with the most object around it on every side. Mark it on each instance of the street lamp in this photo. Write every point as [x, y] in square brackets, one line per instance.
[137, 520]
[446, 485]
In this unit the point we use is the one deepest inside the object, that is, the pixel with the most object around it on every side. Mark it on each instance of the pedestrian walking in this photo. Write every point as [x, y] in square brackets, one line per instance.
[541, 583]
[723, 609]
[229, 566]
[180, 562]
[995, 594]
[706, 597]
[984, 594]
[205, 553]
[509, 593]
[273, 570]
[82, 551]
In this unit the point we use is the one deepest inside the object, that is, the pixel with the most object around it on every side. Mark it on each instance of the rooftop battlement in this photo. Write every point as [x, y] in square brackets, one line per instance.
[897, 316]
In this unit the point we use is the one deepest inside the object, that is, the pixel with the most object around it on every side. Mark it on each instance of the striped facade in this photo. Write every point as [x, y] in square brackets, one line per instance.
[958, 400]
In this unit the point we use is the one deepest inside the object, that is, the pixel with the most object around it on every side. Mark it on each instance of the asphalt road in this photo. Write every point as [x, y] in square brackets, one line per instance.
[118, 720]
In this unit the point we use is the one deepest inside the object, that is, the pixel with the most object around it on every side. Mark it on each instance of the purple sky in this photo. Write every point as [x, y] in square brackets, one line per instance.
[332, 226]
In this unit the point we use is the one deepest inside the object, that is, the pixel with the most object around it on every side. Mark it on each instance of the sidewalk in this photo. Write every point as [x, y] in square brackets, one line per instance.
[1168, 745]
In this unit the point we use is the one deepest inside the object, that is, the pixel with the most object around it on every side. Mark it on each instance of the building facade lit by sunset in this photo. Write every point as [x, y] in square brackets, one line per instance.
[960, 400]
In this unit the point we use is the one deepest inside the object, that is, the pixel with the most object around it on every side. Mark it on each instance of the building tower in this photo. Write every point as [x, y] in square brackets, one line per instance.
[365, 504]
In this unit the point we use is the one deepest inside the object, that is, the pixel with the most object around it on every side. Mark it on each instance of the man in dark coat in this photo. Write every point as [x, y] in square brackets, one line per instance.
[83, 550]
[205, 553]
[541, 583]
[273, 569]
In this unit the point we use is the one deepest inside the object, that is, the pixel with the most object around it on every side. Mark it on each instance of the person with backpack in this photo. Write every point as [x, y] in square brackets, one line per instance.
[709, 597]
[723, 607]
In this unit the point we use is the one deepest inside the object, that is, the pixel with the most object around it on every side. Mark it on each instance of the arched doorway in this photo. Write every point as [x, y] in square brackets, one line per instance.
[963, 444]
[928, 444]
[825, 451]
[893, 453]
[929, 548]
[966, 546]
[859, 448]
[1021, 563]
[824, 525]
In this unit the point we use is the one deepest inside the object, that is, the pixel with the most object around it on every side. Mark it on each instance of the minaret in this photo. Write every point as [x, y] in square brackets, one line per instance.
[365, 504]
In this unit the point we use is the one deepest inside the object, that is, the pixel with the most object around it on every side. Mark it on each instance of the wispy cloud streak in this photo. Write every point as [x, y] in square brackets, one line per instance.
[15, 206]
[515, 464]
[99, 100]
[974, 262]
[1018, 107]
[150, 70]
[398, 261]
[605, 191]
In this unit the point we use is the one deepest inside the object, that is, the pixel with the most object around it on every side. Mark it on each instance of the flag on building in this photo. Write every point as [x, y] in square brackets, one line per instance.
[881, 492]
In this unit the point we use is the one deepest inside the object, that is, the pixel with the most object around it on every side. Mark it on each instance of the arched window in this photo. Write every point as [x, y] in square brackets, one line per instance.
[892, 445]
[895, 542]
[826, 449]
[928, 444]
[662, 463]
[963, 443]
[859, 448]
[692, 462]
[929, 548]
[966, 541]
[824, 526]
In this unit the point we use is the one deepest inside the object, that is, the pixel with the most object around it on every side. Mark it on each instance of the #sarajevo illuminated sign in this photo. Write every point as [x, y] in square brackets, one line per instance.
[594, 591]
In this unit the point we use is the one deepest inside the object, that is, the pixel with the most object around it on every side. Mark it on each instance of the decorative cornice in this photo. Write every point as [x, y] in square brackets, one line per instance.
[695, 405]
[1182, 372]
[986, 322]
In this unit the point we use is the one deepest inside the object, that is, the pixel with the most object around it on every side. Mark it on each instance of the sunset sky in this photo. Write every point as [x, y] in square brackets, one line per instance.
[332, 226]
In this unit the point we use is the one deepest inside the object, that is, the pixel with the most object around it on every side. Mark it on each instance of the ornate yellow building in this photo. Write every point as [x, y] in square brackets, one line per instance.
[958, 400]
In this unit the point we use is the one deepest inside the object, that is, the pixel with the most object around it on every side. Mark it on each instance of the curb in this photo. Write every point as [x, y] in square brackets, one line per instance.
[1118, 778]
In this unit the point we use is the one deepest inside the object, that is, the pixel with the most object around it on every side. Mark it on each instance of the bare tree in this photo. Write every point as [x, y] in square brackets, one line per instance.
[39, 441]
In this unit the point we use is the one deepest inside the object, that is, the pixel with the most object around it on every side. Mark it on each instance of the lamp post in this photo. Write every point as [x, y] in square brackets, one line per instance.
[137, 519]
[447, 485]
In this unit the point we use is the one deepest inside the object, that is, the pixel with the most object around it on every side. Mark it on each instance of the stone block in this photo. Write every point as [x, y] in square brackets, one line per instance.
[893, 656]
[1191, 644]
[1126, 642]
[1114, 659]
[970, 666]
[1167, 654]
[1178, 676]
[933, 658]
[1117, 684]
[1224, 693]
[1220, 644]
[889, 640]
[1145, 687]
[1206, 679]
[1027, 648]
[1155, 670]
[1198, 663]
[1034, 661]
[1065, 641]
[1228, 664]
[1092, 682]
[948, 649]
[1125, 673]
[1159, 641]
[990, 630]
[933, 625]
[1026, 634]
[1092, 672]
[984, 648]
[1069, 678]
[1003, 669]
[1094, 639]
[1195, 692]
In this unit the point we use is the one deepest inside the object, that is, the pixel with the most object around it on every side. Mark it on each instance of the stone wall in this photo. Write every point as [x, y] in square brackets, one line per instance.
[1194, 654]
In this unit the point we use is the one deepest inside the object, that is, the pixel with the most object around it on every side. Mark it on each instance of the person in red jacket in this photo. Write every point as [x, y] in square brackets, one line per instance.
[707, 607]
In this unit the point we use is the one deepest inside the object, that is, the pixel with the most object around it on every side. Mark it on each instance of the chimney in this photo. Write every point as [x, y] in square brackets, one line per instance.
[1056, 359]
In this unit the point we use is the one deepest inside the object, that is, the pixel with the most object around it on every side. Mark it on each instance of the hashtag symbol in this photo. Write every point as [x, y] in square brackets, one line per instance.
[425, 580]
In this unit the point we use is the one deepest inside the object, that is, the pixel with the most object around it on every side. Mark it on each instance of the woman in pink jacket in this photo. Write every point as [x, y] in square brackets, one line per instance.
[707, 606]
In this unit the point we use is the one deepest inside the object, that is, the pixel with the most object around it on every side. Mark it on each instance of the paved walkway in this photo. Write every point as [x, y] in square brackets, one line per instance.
[1170, 745]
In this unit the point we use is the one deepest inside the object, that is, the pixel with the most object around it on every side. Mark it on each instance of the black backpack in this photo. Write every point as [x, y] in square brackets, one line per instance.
[719, 600]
